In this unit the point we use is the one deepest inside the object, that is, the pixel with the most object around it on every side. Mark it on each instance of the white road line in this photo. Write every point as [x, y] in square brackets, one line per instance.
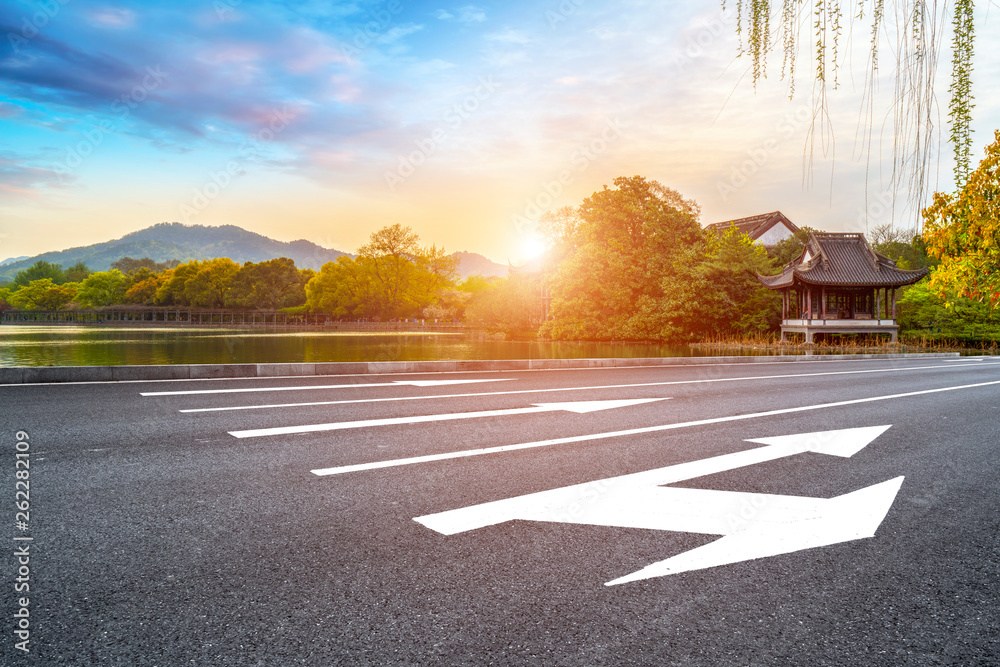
[397, 383]
[633, 431]
[579, 407]
[540, 391]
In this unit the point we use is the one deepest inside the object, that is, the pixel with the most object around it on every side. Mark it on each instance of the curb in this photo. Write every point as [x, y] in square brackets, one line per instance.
[47, 374]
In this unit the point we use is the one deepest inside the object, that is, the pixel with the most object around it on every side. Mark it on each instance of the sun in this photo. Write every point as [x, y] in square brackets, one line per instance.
[532, 245]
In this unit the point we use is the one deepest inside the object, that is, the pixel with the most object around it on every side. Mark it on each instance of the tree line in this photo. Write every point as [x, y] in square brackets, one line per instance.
[392, 277]
[631, 262]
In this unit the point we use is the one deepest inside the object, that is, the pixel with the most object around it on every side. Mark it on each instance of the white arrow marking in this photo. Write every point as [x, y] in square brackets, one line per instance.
[754, 525]
[376, 465]
[579, 407]
[852, 516]
[412, 383]
[385, 399]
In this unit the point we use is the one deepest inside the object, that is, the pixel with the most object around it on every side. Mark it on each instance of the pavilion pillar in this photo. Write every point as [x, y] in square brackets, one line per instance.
[893, 303]
[822, 307]
[809, 303]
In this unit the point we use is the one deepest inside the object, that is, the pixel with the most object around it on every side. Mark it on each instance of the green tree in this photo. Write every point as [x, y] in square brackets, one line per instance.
[77, 273]
[40, 270]
[5, 303]
[344, 288]
[391, 255]
[789, 249]
[269, 285]
[963, 232]
[43, 294]
[128, 265]
[104, 288]
[208, 287]
[172, 289]
[621, 260]
[908, 250]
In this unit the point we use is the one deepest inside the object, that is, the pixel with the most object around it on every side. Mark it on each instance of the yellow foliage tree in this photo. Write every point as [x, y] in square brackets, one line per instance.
[963, 231]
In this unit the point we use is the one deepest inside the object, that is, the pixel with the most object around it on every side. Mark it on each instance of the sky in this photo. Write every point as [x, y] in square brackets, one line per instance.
[466, 122]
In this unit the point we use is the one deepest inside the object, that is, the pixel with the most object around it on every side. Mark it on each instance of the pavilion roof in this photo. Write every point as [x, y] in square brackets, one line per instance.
[842, 260]
[754, 226]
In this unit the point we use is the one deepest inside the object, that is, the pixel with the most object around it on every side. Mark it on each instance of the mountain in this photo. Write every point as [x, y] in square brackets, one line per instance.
[474, 264]
[172, 240]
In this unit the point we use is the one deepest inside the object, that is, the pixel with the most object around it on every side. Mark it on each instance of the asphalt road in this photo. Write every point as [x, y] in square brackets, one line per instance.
[160, 537]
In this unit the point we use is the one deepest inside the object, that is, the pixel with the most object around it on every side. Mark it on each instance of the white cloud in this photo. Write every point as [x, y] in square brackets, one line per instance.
[112, 17]
[509, 36]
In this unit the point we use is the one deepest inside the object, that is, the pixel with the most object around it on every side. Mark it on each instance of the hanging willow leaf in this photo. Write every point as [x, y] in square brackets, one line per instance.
[915, 31]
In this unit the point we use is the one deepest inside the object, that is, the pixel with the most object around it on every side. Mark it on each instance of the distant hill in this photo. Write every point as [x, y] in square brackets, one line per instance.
[172, 240]
[474, 264]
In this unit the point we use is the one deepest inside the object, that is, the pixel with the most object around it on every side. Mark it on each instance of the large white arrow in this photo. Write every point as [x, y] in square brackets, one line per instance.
[579, 407]
[753, 525]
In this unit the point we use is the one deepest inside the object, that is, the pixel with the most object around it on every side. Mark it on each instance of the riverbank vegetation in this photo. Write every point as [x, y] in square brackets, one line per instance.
[630, 263]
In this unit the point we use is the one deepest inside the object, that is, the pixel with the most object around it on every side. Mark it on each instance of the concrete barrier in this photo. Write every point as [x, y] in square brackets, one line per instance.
[48, 374]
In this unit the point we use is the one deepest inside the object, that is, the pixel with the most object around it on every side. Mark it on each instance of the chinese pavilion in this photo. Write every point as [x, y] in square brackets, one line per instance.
[840, 285]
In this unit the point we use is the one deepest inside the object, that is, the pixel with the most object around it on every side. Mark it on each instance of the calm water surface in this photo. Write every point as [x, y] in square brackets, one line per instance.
[58, 345]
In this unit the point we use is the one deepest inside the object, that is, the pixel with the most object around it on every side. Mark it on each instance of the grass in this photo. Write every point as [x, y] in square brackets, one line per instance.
[853, 343]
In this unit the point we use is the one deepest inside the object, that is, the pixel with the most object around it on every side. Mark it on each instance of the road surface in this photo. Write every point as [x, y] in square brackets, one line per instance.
[832, 513]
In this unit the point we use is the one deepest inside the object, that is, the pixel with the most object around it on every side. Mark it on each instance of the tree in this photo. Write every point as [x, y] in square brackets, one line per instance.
[908, 250]
[208, 287]
[917, 29]
[104, 288]
[963, 231]
[735, 301]
[621, 259]
[40, 270]
[77, 273]
[144, 291]
[5, 303]
[172, 289]
[269, 285]
[128, 265]
[790, 249]
[42, 294]
[344, 288]
[506, 306]
[391, 253]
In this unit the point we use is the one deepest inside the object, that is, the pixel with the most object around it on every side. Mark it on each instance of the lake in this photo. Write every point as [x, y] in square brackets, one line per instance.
[66, 345]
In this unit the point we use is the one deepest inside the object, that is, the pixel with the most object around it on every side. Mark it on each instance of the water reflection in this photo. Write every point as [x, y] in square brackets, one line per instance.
[113, 346]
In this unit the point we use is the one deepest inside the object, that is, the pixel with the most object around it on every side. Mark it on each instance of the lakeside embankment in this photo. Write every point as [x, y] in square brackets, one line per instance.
[48, 374]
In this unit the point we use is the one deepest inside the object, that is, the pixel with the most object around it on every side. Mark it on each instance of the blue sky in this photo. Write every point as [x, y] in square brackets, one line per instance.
[328, 120]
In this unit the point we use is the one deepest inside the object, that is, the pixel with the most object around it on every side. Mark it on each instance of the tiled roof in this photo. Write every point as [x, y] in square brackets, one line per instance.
[846, 260]
[755, 225]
